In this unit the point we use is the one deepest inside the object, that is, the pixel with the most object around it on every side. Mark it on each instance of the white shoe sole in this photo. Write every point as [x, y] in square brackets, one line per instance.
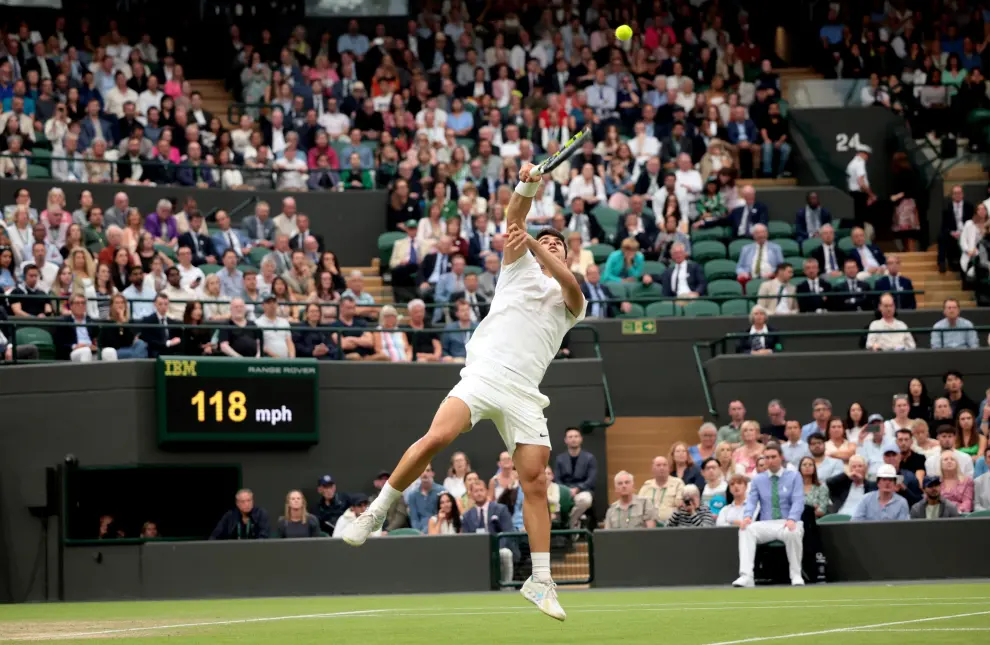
[561, 617]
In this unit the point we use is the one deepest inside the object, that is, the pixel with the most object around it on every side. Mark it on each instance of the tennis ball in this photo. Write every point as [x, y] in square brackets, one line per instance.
[624, 32]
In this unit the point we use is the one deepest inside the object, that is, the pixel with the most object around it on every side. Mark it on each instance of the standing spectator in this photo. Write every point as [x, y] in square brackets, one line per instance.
[296, 522]
[883, 503]
[775, 142]
[691, 511]
[423, 501]
[953, 331]
[246, 522]
[663, 491]
[858, 185]
[629, 511]
[933, 507]
[888, 333]
[577, 469]
[780, 495]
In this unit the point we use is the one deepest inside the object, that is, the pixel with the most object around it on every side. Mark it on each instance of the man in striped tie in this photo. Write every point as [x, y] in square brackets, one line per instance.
[780, 495]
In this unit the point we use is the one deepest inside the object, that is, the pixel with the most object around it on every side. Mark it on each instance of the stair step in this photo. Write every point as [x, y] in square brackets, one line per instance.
[768, 183]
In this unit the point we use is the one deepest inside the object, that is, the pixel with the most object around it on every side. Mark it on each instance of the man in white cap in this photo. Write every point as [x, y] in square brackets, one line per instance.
[858, 184]
[883, 503]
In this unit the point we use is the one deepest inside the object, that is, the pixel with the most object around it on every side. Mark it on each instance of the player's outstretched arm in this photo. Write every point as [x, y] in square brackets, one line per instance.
[518, 209]
[573, 298]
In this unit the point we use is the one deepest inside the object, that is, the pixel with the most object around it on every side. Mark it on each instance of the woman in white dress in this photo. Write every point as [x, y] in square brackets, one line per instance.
[460, 466]
[447, 521]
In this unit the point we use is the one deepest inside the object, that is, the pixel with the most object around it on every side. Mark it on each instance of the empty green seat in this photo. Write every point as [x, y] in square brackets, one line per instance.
[608, 218]
[789, 247]
[796, 280]
[737, 307]
[725, 288]
[385, 243]
[472, 270]
[601, 252]
[644, 293]
[167, 251]
[780, 229]
[720, 270]
[38, 337]
[707, 250]
[665, 309]
[846, 244]
[38, 172]
[405, 531]
[207, 269]
[719, 233]
[834, 517]
[701, 308]
[797, 262]
[809, 245]
[736, 247]
[635, 311]
[753, 286]
[619, 290]
[258, 253]
[653, 267]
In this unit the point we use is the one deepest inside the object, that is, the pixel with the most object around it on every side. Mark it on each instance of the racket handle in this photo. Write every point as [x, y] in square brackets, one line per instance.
[536, 172]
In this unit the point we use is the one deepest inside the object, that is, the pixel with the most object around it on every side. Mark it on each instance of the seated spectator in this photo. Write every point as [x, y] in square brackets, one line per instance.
[599, 296]
[423, 501]
[25, 299]
[762, 339]
[588, 186]
[831, 259]
[149, 530]
[850, 292]
[826, 466]
[956, 487]
[296, 522]
[194, 170]
[663, 491]
[331, 506]
[583, 222]
[847, 489]
[487, 517]
[776, 425]
[246, 522]
[741, 220]
[356, 343]
[398, 515]
[895, 283]
[624, 264]
[683, 279]
[356, 176]
[259, 228]
[682, 466]
[447, 521]
[244, 341]
[630, 511]
[705, 448]
[310, 340]
[425, 342]
[777, 295]
[888, 333]
[883, 504]
[933, 507]
[203, 250]
[355, 289]
[457, 334]
[873, 442]
[276, 334]
[714, 488]
[813, 284]
[745, 455]
[810, 219]
[969, 439]
[759, 259]
[391, 345]
[577, 470]
[946, 437]
[729, 433]
[956, 394]
[357, 504]
[76, 343]
[733, 514]
[981, 485]
[953, 331]
[178, 295]
[691, 511]
[505, 478]
[869, 258]
[794, 449]
[815, 493]
[780, 496]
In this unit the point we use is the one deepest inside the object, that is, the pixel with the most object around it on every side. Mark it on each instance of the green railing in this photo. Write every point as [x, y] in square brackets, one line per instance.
[572, 558]
[703, 375]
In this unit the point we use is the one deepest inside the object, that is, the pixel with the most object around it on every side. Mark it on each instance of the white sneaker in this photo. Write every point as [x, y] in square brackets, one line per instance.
[744, 581]
[544, 596]
[797, 582]
[357, 532]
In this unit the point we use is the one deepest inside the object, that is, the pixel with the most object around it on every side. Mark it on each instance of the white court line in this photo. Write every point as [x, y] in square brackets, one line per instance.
[759, 639]
[924, 629]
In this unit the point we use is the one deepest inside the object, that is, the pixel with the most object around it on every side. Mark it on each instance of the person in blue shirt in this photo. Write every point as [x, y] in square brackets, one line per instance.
[423, 500]
[883, 503]
[457, 334]
[780, 496]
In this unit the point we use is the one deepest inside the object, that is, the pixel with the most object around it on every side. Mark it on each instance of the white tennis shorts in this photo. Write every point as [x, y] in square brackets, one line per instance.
[514, 405]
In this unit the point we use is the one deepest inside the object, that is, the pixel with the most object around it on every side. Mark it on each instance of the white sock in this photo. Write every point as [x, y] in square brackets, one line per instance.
[384, 501]
[541, 567]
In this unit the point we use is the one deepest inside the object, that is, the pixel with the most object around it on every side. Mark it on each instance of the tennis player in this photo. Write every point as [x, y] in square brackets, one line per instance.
[537, 300]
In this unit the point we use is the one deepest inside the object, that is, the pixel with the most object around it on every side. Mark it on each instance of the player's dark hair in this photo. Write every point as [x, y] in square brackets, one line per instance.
[553, 233]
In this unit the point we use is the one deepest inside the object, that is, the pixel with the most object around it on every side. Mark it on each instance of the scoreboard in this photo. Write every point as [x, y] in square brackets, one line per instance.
[236, 400]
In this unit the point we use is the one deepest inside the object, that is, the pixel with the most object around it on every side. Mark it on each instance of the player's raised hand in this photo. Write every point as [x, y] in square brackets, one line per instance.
[518, 238]
[524, 173]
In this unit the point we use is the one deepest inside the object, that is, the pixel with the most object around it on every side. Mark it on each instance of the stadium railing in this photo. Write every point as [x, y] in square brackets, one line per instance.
[572, 558]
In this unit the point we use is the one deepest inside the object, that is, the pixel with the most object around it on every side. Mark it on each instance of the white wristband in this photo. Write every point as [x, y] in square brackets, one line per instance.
[527, 188]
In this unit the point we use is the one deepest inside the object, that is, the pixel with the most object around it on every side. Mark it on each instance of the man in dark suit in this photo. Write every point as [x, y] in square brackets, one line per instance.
[896, 284]
[599, 297]
[652, 175]
[203, 251]
[492, 518]
[840, 486]
[956, 213]
[579, 220]
[434, 266]
[161, 169]
[849, 293]
[742, 219]
[260, 228]
[132, 168]
[869, 258]
[476, 302]
[560, 78]
[577, 469]
[813, 284]
[40, 61]
[830, 257]
[480, 243]
[677, 143]
[162, 333]
[811, 218]
[682, 274]
[78, 342]
[298, 240]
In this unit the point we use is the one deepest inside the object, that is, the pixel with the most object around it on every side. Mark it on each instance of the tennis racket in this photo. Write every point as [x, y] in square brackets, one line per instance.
[566, 152]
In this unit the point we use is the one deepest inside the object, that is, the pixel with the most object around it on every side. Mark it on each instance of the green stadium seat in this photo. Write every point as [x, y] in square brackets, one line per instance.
[41, 157]
[468, 143]
[385, 243]
[608, 218]
[702, 308]
[797, 262]
[725, 288]
[405, 531]
[841, 233]
[38, 172]
[789, 247]
[257, 254]
[207, 269]
[872, 281]
[796, 280]
[736, 247]
[846, 244]
[166, 251]
[720, 270]
[636, 311]
[836, 281]
[707, 250]
[472, 270]
[653, 267]
[619, 290]
[719, 233]
[753, 286]
[212, 230]
[834, 517]
[809, 245]
[737, 307]
[780, 229]
[38, 337]
[644, 293]
[601, 252]
[665, 309]
[979, 514]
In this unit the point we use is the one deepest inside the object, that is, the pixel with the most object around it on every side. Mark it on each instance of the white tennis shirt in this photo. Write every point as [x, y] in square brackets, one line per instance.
[526, 322]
